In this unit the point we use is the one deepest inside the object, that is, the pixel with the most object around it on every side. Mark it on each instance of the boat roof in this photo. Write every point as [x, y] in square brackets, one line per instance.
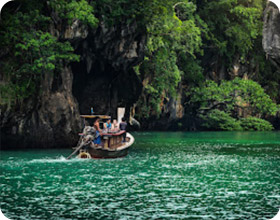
[96, 116]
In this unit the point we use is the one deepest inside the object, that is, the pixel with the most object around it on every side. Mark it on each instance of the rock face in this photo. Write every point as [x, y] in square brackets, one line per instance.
[271, 33]
[50, 121]
[104, 79]
[271, 42]
[171, 113]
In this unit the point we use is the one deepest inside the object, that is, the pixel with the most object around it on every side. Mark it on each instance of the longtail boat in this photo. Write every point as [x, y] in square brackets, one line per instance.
[112, 144]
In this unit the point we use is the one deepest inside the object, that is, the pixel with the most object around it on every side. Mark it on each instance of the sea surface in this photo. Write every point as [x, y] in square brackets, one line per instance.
[181, 175]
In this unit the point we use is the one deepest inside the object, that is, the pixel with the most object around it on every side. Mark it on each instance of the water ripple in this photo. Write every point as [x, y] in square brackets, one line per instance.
[163, 177]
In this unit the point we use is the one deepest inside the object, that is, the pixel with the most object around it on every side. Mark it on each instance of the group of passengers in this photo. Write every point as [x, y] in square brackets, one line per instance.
[111, 127]
[108, 127]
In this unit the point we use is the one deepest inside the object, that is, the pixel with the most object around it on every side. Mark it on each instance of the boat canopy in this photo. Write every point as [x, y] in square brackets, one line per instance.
[96, 116]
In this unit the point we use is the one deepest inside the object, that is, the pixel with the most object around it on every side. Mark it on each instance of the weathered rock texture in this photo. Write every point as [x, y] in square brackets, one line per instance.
[171, 113]
[271, 42]
[271, 33]
[52, 120]
[104, 79]
[174, 115]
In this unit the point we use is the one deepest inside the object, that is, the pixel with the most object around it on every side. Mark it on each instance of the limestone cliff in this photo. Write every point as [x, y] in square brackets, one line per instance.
[271, 41]
[271, 33]
[175, 113]
[103, 79]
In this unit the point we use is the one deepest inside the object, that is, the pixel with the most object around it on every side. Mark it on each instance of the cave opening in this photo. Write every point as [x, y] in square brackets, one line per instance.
[103, 87]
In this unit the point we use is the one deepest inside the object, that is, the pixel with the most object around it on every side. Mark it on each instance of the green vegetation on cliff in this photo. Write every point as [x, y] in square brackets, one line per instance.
[195, 49]
[29, 48]
[227, 106]
[225, 43]
[246, 95]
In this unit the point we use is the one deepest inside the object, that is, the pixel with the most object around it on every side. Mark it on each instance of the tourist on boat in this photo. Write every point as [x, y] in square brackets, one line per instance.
[97, 139]
[123, 125]
[115, 126]
[108, 125]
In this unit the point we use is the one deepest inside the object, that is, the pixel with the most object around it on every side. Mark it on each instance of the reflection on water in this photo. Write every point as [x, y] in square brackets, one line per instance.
[205, 175]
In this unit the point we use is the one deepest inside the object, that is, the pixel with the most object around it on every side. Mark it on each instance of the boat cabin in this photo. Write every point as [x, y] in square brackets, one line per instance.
[109, 139]
[112, 142]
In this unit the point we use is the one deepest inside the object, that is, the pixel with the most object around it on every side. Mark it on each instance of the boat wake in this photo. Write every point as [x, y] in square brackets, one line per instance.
[50, 160]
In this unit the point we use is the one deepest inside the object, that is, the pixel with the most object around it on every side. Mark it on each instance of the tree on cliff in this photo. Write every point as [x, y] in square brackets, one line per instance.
[170, 34]
[224, 34]
[30, 50]
[187, 42]
[227, 106]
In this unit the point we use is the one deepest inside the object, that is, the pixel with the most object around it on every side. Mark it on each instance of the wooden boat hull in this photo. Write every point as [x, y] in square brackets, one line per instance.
[121, 151]
[102, 153]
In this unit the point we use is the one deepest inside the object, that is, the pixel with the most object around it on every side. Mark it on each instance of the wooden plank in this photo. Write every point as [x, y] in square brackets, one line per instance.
[96, 116]
[117, 134]
[111, 142]
[106, 145]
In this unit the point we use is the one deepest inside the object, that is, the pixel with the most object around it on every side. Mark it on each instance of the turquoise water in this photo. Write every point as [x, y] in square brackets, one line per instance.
[205, 175]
